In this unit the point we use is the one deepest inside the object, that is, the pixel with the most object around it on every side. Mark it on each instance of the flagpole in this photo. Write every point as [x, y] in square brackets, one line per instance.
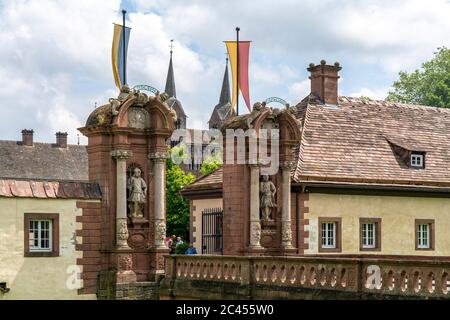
[237, 70]
[124, 12]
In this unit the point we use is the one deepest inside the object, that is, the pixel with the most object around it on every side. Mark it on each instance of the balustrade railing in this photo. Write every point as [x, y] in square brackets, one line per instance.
[417, 277]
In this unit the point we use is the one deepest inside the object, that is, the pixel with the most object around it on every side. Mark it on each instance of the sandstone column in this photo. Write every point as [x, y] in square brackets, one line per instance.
[255, 225]
[286, 232]
[159, 164]
[121, 197]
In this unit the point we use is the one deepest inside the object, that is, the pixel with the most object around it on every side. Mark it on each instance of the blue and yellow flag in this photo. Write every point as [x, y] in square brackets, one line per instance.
[118, 54]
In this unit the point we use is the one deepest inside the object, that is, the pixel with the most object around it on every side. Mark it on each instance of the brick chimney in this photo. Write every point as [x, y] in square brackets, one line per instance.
[61, 139]
[324, 81]
[27, 137]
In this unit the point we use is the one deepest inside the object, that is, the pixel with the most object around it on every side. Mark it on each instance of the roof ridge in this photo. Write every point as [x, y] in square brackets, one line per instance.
[385, 103]
[42, 143]
[302, 140]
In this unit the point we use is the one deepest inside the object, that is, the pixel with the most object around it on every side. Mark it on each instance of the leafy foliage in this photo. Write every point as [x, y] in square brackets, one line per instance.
[212, 163]
[177, 206]
[181, 248]
[429, 86]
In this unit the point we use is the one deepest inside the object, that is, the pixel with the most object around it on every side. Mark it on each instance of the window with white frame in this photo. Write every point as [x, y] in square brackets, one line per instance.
[417, 160]
[423, 236]
[329, 235]
[40, 235]
[369, 235]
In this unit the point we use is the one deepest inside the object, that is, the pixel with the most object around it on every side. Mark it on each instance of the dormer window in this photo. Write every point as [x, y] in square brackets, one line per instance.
[417, 160]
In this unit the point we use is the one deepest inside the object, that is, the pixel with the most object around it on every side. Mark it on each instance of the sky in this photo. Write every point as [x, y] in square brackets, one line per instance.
[56, 55]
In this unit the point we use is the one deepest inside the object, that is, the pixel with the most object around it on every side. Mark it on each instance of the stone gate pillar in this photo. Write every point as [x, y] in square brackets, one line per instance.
[255, 225]
[159, 162]
[122, 135]
[286, 231]
[257, 222]
[122, 234]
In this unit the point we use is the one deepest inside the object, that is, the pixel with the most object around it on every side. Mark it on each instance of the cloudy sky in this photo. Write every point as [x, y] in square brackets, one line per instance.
[56, 65]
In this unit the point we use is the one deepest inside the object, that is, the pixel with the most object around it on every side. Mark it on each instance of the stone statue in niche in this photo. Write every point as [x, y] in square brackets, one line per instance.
[137, 193]
[267, 191]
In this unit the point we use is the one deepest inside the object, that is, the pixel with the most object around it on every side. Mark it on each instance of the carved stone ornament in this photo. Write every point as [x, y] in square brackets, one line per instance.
[121, 154]
[138, 118]
[137, 194]
[267, 191]
[162, 96]
[258, 107]
[287, 233]
[125, 262]
[288, 165]
[158, 156]
[122, 233]
[115, 103]
[160, 231]
[255, 234]
[141, 98]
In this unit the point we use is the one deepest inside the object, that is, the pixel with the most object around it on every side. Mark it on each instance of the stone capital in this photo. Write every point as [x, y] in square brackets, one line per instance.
[287, 165]
[121, 154]
[158, 156]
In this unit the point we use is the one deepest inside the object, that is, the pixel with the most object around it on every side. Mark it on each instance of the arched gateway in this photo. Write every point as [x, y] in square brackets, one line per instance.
[127, 151]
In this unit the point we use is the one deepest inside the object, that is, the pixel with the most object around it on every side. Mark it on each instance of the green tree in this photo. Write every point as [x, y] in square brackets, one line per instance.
[177, 206]
[428, 86]
[212, 163]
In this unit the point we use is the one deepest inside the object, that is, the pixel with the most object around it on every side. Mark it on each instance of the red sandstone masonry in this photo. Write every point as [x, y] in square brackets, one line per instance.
[90, 247]
[303, 222]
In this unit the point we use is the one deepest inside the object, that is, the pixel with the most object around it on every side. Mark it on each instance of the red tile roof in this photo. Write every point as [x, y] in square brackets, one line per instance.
[210, 181]
[358, 140]
[354, 143]
[49, 189]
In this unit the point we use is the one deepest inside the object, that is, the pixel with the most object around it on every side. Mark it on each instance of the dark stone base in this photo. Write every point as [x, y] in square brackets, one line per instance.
[137, 291]
[109, 289]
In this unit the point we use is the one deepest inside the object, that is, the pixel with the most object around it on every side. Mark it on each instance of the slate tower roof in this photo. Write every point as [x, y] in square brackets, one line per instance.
[222, 110]
[173, 102]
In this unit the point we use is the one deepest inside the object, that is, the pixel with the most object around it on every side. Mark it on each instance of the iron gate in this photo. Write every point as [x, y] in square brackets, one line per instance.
[212, 226]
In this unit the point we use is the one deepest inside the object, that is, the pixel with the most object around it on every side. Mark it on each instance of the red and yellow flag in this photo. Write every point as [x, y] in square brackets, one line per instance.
[243, 85]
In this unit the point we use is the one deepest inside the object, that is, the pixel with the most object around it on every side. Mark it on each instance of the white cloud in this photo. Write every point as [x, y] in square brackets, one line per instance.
[376, 94]
[298, 90]
[56, 54]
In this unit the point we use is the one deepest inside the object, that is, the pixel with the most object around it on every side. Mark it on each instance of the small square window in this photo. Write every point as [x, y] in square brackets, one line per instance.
[41, 235]
[370, 234]
[417, 160]
[424, 234]
[330, 234]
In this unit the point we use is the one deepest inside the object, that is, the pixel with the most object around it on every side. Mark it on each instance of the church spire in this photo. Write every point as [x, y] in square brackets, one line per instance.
[225, 92]
[170, 81]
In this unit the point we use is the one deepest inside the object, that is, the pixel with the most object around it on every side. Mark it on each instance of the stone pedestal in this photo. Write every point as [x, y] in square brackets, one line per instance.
[139, 223]
[157, 263]
[125, 274]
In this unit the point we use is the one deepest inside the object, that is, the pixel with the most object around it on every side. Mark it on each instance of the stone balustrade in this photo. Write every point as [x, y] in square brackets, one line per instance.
[362, 277]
